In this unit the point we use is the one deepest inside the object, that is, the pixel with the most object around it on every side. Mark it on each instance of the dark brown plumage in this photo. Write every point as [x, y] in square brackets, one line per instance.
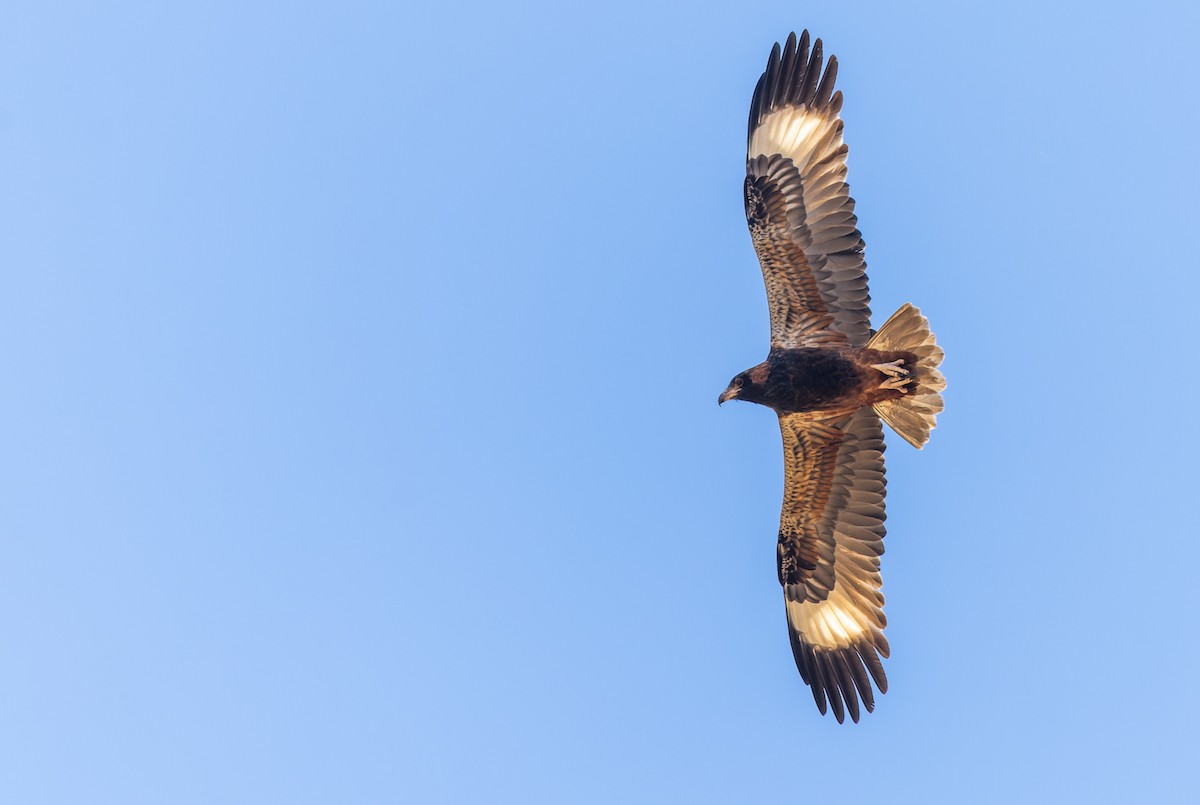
[793, 381]
[829, 377]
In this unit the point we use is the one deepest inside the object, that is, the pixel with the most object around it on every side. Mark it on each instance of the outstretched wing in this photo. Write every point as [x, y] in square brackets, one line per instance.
[830, 540]
[798, 204]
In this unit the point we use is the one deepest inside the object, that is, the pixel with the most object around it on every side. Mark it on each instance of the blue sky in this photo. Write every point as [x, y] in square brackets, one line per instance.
[360, 440]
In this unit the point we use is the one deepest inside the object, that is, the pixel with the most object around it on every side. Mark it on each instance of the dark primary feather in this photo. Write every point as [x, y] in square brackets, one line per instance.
[836, 676]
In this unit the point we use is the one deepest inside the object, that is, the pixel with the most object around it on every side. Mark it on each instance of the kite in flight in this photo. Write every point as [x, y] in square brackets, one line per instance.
[828, 376]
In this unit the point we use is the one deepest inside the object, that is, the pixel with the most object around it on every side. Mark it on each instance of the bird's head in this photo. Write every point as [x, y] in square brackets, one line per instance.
[747, 386]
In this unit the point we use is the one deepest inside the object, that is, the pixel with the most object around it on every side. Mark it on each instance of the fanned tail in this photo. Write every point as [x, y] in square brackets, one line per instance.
[914, 415]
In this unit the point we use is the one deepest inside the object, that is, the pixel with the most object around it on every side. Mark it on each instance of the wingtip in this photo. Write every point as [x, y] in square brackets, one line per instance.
[773, 59]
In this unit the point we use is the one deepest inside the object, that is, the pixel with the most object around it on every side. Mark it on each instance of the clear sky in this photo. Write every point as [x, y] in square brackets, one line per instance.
[359, 431]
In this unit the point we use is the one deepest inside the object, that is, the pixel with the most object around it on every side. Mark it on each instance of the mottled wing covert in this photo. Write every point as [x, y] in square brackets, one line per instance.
[798, 204]
[830, 540]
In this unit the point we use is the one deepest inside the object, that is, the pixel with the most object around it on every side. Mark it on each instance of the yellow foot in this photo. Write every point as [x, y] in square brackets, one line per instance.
[896, 376]
[893, 369]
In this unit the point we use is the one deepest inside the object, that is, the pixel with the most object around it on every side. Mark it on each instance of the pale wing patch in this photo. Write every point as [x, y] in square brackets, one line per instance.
[797, 133]
[836, 622]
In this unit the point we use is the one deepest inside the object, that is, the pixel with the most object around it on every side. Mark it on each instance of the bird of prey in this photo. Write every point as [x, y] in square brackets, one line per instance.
[828, 376]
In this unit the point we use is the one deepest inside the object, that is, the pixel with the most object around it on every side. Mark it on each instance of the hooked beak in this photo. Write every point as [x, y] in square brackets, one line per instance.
[730, 393]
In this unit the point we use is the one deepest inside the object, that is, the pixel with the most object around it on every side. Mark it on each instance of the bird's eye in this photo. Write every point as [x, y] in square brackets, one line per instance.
[737, 382]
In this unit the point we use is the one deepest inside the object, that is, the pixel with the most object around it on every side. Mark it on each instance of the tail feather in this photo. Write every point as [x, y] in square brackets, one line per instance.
[914, 415]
